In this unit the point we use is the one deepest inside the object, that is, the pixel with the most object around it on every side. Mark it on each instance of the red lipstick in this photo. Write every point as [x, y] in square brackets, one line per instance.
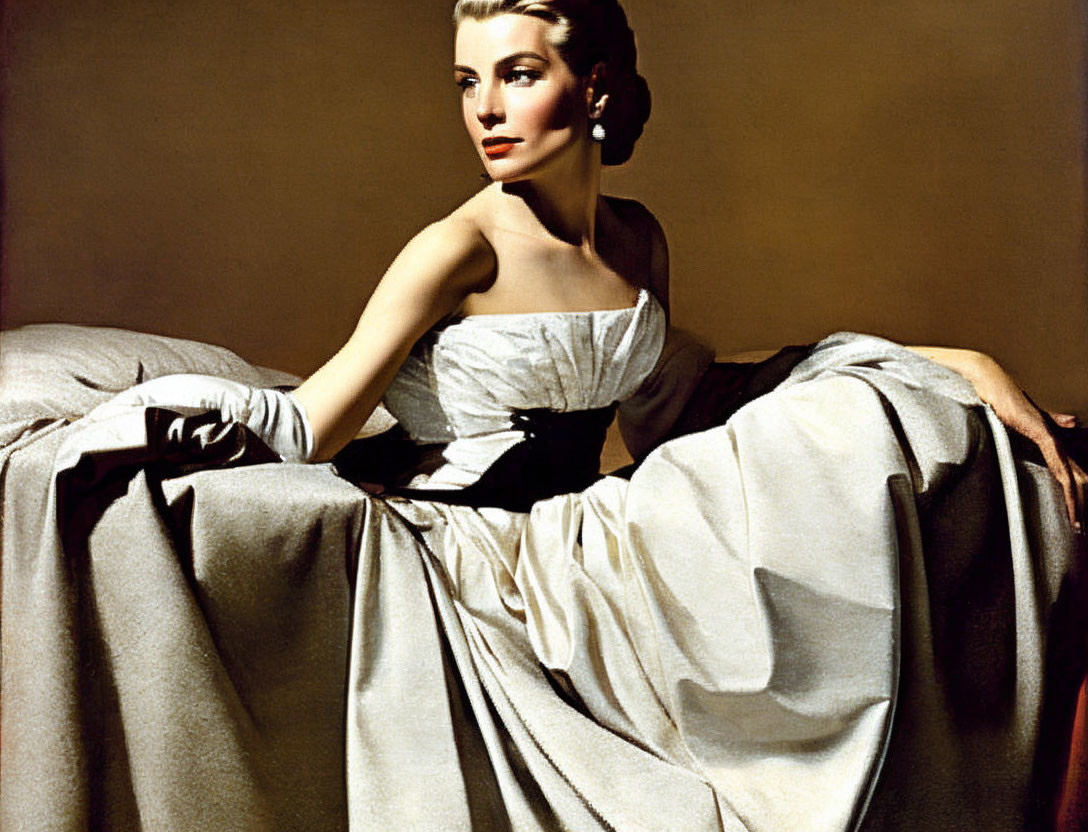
[498, 145]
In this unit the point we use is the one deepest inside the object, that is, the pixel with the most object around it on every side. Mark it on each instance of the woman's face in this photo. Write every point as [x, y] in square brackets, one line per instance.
[525, 110]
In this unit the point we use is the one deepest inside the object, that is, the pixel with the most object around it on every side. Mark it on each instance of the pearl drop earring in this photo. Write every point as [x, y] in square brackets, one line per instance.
[598, 132]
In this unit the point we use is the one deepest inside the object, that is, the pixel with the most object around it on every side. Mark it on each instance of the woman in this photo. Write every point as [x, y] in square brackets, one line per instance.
[541, 296]
[545, 105]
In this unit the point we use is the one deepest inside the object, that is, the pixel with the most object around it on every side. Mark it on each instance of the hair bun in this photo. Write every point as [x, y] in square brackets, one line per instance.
[628, 106]
[624, 117]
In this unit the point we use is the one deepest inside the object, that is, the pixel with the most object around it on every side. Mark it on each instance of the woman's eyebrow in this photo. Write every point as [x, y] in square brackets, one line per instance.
[509, 59]
[517, 56]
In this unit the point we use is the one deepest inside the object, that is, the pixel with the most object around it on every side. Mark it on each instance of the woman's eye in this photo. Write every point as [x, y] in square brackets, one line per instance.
[467, 84]
[522, 77]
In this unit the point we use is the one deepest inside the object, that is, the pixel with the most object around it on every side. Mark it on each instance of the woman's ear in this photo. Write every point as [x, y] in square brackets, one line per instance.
[598, 107]
[596, 100]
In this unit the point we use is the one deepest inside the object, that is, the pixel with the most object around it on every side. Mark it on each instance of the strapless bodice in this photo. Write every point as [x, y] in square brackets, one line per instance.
[464, 380]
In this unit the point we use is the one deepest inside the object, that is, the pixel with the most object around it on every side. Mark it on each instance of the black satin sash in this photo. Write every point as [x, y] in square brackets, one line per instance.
[560, 454]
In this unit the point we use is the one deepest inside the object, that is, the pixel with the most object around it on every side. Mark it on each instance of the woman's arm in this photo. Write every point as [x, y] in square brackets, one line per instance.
[429, 279]
[1013, 407]
[996, 388]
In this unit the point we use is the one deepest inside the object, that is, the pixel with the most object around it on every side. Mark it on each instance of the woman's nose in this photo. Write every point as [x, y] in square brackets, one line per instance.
[489, 108]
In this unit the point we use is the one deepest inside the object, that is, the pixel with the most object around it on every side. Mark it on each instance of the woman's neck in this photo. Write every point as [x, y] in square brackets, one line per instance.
[565, 206]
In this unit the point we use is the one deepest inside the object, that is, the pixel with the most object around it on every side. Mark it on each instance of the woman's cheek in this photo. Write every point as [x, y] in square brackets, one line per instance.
[549, 112]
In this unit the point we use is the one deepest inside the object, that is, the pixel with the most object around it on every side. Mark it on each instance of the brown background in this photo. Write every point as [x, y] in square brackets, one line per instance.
[242, 172]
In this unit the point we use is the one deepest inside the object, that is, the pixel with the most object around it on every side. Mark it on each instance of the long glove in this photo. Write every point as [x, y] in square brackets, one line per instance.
[276, 417]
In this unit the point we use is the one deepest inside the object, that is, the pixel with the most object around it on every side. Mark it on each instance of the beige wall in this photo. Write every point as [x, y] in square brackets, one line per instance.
[242, 173]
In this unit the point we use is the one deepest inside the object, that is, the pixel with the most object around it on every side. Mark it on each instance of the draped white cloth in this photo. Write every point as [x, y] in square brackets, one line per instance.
[837, 611]
[714, 645]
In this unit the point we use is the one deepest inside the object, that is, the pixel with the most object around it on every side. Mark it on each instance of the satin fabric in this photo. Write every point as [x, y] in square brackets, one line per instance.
[837, 611]
[719, 643]
[464, 381]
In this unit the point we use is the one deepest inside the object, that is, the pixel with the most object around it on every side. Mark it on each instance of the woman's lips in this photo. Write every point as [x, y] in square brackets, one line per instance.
[500, 147]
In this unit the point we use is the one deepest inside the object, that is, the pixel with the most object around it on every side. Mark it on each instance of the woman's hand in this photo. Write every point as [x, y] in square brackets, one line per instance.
[1019, 413]
[273, 415]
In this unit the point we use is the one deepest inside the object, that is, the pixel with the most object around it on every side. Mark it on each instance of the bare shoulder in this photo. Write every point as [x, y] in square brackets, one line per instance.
[644, 227]
[434, 272]
[454, 248]
[635, 215]
[640, 222]
[477, 214]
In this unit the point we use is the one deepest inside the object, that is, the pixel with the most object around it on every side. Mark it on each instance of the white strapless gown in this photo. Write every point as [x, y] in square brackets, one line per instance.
[712, 645]
[463, 381]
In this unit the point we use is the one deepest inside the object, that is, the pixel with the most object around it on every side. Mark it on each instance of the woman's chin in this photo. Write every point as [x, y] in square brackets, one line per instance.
[562, 161]
[507, 173]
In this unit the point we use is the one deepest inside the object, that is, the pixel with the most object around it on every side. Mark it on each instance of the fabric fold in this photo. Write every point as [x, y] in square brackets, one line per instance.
[838, 610]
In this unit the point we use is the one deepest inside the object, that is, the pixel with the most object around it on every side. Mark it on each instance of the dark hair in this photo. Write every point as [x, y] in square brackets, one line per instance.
[588, 32]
